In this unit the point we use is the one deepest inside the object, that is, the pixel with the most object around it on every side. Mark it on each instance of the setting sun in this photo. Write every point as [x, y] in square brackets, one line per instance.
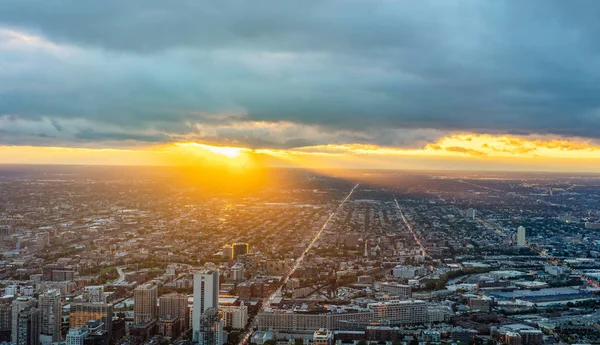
[227, 151]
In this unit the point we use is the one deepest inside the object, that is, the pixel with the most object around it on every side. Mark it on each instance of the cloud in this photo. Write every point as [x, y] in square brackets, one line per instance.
[464, 150]
[276, 74]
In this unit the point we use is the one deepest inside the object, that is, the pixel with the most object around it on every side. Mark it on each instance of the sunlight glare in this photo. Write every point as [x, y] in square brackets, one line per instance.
[227, 151]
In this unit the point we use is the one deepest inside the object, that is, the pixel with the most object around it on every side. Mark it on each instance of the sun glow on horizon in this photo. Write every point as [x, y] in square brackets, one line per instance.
[457, 151]
[227, 151]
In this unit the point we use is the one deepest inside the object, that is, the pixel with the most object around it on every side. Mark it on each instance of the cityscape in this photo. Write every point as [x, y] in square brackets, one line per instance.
[95, 255]
[314, 172]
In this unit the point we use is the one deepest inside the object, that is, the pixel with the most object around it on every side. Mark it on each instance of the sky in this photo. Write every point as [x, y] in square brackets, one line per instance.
[465, 84]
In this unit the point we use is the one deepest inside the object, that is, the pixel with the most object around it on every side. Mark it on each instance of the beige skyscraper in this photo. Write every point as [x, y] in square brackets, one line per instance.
[228, 251]
[174, 305]
[144, 299]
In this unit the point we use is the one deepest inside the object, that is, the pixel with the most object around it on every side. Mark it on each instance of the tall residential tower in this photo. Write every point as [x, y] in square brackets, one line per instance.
[206, 295]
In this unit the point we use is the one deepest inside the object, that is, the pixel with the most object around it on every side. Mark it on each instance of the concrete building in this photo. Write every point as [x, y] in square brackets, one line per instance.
[211, 327]
[512, 338]
[481, 304]
[11, 290]
[28, 326]
[521, 240]
[206, 296]
[471, 213]
[174, 305]
[396, 290]
[51, 312]
[400, 311]
[437, 313]
[82, 313]
[145, 299]
[323, 337]
[77, 335]
[235, 317]
[237, 272]
[169, 327]
[17, 306]
[531, 337]
[59, 275]
[292, 321]
[5, 318]
[407, 271]
[228, 252]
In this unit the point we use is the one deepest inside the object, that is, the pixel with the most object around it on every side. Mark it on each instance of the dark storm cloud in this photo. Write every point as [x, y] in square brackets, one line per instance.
[160, 69]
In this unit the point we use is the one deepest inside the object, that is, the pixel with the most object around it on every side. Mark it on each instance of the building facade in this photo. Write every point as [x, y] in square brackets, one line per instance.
[51, 310]
[400, 311]
[28, 326]
[206, 296]
[174, 305]
[17, 306]
[211, 327]
[145, 299]
[77, 335]
[81, 313]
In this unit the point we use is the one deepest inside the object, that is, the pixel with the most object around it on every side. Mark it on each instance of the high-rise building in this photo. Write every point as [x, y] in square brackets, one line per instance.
[5, 318]
[51, 310]
[77, 335]
[471, 213]
[17, 306]
[521, 236]
[81, 313]
[237, 272]
[240, 248]
[145, 298]
[206, 296]
[174, 305]
[28, 326]
[228, 251]
[211, 327]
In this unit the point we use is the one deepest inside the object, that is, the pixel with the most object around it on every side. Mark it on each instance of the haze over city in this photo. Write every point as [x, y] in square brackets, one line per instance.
[316, 172]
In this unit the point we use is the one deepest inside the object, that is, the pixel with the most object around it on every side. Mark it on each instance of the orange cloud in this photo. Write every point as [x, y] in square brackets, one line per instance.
[461, 151]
